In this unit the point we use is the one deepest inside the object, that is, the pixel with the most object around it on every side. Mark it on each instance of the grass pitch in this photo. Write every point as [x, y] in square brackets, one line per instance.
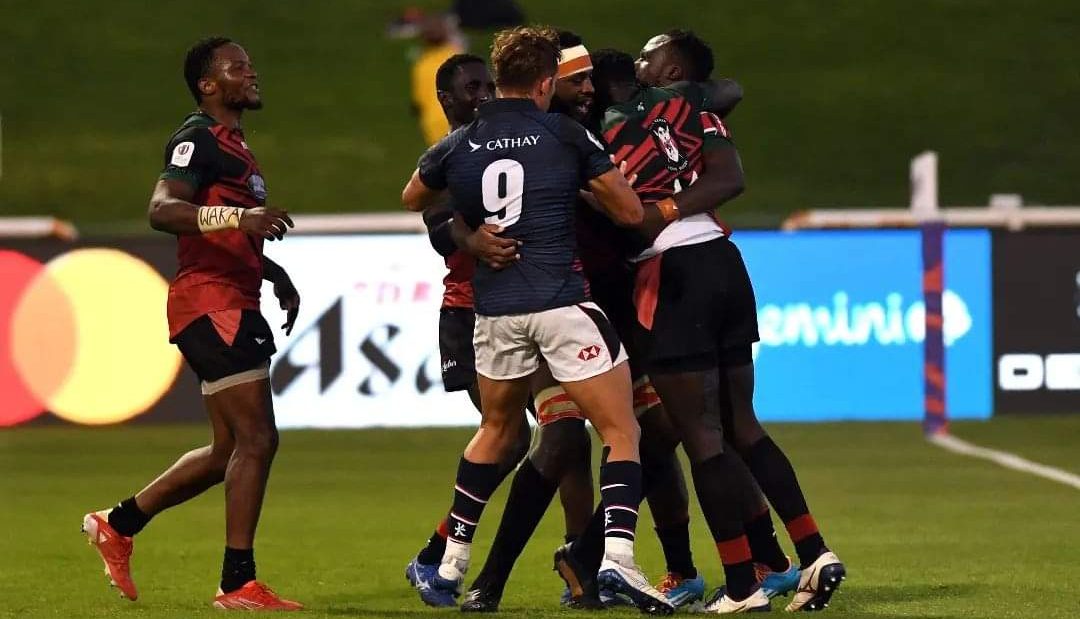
[924, 533]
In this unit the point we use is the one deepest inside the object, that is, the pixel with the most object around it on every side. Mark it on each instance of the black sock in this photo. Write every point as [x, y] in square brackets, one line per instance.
[237, 569]
[763, 543]
[588, 549]
[530, 495]
[436, 546]
[620, 493]
[127, 518]
[724, 488]
[570, 538]
[474, 486]
[675, 540]
[776, 477]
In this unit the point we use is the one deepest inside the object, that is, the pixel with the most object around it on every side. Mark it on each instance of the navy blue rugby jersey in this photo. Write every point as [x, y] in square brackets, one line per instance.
[521, 168]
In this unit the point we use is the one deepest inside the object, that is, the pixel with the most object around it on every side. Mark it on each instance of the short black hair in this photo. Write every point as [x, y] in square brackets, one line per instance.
[568, 39]
[198, 60]
[611, 66]
[693, 51]
[444, 77]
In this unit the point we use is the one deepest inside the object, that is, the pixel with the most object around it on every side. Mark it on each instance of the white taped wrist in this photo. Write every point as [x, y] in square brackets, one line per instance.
[214, 218]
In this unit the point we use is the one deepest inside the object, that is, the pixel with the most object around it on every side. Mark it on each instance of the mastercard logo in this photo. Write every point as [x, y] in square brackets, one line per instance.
[82, 336]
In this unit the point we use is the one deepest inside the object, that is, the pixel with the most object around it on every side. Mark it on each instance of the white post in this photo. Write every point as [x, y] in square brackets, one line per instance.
[924, 186]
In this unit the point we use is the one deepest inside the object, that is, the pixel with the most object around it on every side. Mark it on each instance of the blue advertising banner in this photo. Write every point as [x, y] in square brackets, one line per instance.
[841, 319]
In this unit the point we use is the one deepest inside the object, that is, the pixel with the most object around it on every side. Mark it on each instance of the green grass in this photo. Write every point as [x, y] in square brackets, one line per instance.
[839, 96]
[924, 533]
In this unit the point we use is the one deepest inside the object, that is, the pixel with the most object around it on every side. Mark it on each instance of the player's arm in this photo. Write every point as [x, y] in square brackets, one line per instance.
[616, 199]
[437, 220]
[485, 244]
[192, 161]
[609, 187]
[417, 196]
[171, 210]
[428, 181]
[717, 96]
[284, 290]
[721, 181]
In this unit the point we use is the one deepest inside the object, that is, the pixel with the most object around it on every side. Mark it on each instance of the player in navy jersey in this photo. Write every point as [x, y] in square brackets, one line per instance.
[666, 59]
[463, 83]
[561, 454]
[522, 168]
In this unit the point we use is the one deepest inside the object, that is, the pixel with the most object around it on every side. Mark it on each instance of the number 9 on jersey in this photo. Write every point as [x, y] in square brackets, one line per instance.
[503, 184]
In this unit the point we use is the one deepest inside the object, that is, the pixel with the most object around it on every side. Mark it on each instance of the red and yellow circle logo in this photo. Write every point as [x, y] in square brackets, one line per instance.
[83, 336]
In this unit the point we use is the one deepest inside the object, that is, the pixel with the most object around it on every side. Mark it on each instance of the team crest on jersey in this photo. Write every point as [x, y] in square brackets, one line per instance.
[665, 143]
[258, 187]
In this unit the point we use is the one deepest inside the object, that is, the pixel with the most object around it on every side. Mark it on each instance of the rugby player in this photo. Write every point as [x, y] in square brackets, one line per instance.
[521, 168]
[212, 196]
[665, 59]
[562, 453]
[462, 84]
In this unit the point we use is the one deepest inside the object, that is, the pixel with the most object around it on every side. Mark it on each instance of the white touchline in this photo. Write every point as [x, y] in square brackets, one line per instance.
[1005, 459]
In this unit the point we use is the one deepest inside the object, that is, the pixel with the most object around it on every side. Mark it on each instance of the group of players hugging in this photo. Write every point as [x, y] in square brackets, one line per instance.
[588, 280]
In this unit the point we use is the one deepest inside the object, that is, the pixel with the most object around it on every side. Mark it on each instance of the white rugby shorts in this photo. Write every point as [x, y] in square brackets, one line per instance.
[577, 341]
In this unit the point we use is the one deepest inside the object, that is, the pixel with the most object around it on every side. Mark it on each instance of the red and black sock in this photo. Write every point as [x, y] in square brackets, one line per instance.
[127, 519]
[723, 487]
[474, 486]
[777, 480]
[763, 543]
[436, 546]
[530, 495]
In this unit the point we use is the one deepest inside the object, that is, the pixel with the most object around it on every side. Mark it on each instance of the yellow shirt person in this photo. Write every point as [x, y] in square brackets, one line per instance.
[432, 120]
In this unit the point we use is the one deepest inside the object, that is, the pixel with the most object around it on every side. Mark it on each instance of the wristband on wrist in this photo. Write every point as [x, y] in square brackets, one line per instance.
[668, 209]
[214, 218]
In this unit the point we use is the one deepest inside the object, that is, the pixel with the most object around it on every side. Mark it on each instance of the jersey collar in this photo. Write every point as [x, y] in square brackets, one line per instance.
[497, 106]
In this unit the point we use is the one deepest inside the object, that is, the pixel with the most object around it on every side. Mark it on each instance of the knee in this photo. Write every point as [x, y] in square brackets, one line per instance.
[745, 436]
[259, 443]
[562, 445]
[702, 447]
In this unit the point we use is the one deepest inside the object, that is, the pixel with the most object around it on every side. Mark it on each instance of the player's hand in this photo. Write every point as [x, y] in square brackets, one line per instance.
[495, 251]
[590, 198]
[266, 221]
[630, 180]
[289, 300]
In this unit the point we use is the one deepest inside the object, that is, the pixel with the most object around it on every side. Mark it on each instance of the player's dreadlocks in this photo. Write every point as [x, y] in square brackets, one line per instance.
[695, 53]
[444, 77]
[198, 60]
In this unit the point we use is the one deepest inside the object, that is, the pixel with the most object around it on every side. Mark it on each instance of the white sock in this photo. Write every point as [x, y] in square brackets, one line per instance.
[455, 561]
[619, 550]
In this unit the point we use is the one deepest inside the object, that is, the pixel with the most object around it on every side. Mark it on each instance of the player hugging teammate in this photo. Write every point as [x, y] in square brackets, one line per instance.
[671, 289]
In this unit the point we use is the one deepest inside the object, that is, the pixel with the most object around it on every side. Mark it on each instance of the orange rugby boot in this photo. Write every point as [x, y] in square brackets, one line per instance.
[254, 596]
[115, 551]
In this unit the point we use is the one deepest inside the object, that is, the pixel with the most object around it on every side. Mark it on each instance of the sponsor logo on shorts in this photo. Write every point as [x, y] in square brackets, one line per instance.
[448, 365]
[589, 353]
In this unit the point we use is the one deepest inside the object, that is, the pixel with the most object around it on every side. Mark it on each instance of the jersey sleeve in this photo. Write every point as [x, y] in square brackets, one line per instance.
[432, 164]
[715, 132]
[592, 153]
[192, 156]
